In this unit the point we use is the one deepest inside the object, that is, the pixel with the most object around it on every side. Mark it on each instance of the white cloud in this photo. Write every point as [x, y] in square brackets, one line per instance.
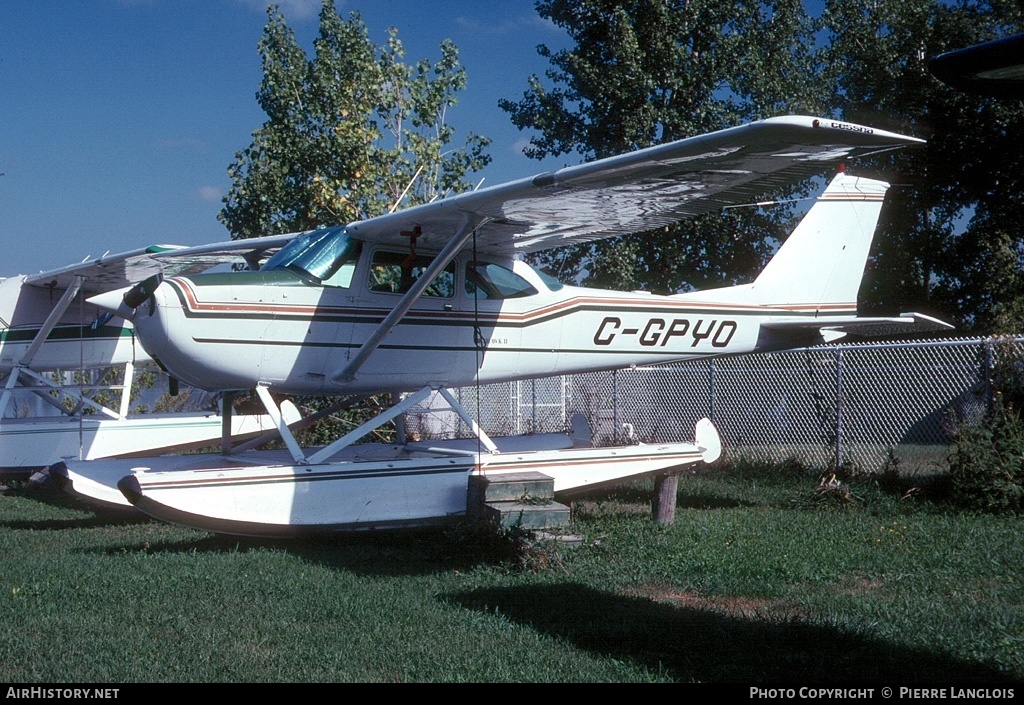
[519, 146]
[508, 26]
[210, 194]
[291, 9]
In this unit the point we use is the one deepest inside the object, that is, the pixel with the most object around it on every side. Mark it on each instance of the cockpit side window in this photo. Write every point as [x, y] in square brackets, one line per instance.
[549, 281]
[395, 273]
[326, 257]
[486, 280]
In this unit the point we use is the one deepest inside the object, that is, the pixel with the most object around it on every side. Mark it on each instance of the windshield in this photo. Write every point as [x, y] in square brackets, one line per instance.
[319, 254]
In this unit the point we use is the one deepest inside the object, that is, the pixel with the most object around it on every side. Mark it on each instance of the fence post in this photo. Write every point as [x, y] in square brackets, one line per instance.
[533, 417]
[990, 366]
[615, 405]
[515, 402]
[839, 408]
[711, 391]
[565, 394]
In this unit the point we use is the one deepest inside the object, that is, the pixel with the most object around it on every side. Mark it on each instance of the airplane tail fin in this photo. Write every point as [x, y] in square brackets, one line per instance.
[822, 262]
[818, 270]
[820, 265]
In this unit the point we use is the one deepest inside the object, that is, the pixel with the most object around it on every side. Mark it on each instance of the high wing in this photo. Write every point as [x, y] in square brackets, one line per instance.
[629, 193]
[127, 268]
[634, 192]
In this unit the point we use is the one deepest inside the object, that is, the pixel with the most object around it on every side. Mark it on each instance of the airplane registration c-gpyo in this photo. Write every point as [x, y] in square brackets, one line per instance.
[437, 296]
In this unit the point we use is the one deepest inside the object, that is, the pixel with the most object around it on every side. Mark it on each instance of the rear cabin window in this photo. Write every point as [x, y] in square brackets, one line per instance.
[486, 280]
[395, 273]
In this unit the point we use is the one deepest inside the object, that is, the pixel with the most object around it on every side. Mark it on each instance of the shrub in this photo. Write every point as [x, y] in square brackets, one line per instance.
[987, 464]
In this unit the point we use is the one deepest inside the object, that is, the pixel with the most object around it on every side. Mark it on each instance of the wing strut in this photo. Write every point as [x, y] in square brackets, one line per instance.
[282, 425]
[51, 322]
[431, 273]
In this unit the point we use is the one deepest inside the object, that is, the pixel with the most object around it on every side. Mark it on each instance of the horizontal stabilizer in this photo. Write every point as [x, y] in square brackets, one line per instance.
[839, 326]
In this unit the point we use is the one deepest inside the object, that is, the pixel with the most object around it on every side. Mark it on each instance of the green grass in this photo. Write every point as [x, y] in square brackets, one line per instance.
[760, 579]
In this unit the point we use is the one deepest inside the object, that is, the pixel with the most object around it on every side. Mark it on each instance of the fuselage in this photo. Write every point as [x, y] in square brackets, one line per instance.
[479, 322]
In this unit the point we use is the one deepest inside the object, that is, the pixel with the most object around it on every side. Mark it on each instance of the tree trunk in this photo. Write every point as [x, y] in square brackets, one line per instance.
[663, 503]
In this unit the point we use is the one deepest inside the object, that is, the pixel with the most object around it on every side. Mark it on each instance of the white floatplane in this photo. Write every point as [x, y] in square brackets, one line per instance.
[436, 297]
[54, 352]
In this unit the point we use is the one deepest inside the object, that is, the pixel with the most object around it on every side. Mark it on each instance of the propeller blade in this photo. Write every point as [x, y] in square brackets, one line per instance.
[123, 302]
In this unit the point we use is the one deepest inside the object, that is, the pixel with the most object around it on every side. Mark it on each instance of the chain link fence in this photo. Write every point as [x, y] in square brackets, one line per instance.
[854, 405]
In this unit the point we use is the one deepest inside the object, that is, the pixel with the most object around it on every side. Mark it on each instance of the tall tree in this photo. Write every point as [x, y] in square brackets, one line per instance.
[638, 72]
[348, 133]
[641, 72]
[950, 241]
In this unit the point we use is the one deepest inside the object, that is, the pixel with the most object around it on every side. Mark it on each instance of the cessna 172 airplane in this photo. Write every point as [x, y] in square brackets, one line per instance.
[47, 335]
[436, 296]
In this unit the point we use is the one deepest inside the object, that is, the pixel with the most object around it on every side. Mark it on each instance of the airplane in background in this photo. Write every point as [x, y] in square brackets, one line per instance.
[55, 353]
[994, 69]
[437, 296]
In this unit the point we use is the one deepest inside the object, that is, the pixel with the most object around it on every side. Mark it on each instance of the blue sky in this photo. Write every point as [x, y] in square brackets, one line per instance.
[119, 118]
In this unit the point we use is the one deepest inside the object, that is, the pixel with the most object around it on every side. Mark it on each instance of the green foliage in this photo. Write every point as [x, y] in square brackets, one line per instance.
[987, 466]
[831, 492]
[987, 460]
[949, 242]
[891, 480]
[772, 593]
[1005, 367]
[349, 134]
[509, 548]
[641, 72]
[99, 386]
[645, 71]
[353, 413]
